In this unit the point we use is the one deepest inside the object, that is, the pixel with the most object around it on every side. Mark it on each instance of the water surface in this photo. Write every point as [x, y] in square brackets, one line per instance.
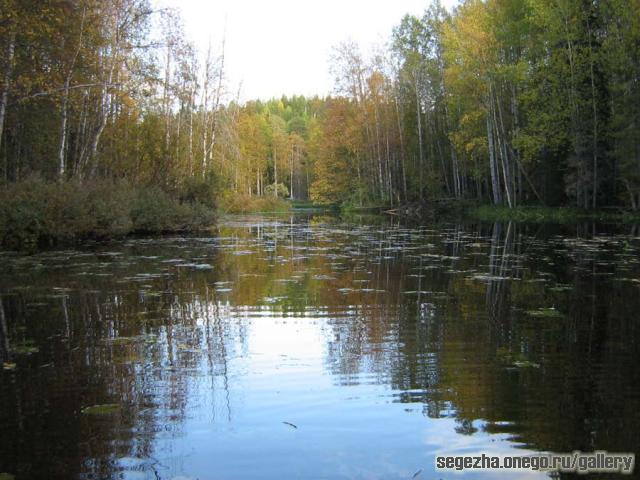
[314, 347]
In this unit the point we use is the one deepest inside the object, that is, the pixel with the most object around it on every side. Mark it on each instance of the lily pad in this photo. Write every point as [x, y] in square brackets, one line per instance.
[545, 313]
[203, 266]
[123, 340]
[561, 288]
[25, 349]
[525, 364]
[103, 409]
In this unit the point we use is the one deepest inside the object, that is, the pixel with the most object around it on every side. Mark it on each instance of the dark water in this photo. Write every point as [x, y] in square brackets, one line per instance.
[384, 345]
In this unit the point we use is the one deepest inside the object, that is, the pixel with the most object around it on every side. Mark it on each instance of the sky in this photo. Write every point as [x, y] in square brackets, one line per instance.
[276, 47]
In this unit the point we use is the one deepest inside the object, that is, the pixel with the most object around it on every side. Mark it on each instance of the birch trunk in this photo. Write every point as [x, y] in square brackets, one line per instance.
[495, 182]
[8, 71]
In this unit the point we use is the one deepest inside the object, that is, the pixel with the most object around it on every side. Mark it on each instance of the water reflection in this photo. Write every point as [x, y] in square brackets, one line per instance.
[317, 348]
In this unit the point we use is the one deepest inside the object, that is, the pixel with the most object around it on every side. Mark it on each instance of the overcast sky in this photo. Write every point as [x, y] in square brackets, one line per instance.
[277, 47]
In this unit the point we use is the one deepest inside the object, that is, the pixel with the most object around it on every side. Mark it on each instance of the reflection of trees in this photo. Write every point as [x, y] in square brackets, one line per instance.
[501, 260]
[4, 335]
[555, 383]
[136, 337]
[438, 314]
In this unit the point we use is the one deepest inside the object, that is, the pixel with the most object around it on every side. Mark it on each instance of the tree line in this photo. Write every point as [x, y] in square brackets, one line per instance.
[512, 103]
[504, 102]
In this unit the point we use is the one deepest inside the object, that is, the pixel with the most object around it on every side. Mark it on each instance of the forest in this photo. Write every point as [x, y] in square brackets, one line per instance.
[501, 102]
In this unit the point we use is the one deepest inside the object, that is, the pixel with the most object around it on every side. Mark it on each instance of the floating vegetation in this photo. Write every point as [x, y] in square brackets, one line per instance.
[102, 409]
[323, 277]
[128, 340]
[194, 266]
[203, 266]
[561, 288]
[385, 291]
[25, 348]
[150, 294]
[545, 313]
[525, 364]
[273, 299]
[489, 278]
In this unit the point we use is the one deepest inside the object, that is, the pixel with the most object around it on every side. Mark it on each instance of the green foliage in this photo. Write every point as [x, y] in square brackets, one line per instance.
[280, 188]
[198, 191]
[154, 210]
[236, 203]
[35, 212]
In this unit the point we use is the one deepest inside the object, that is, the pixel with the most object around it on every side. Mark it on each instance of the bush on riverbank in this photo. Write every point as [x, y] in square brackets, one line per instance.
[239, 203]
[35, 212]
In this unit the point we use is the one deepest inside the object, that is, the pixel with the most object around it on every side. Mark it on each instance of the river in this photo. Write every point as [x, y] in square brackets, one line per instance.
[310, 346]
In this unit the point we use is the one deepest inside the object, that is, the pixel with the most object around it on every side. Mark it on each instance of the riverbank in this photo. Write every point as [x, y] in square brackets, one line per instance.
[36, 213]
[535, 214]
[237, 203]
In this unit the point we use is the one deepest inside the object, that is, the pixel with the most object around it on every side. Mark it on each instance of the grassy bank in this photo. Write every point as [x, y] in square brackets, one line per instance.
[491, 213]
[39, 213]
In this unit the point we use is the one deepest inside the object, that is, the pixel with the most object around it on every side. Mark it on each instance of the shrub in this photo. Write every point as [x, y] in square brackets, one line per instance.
[196, 190]
[22, 213]
[153, 210]
[93, 209]
[34, 211]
